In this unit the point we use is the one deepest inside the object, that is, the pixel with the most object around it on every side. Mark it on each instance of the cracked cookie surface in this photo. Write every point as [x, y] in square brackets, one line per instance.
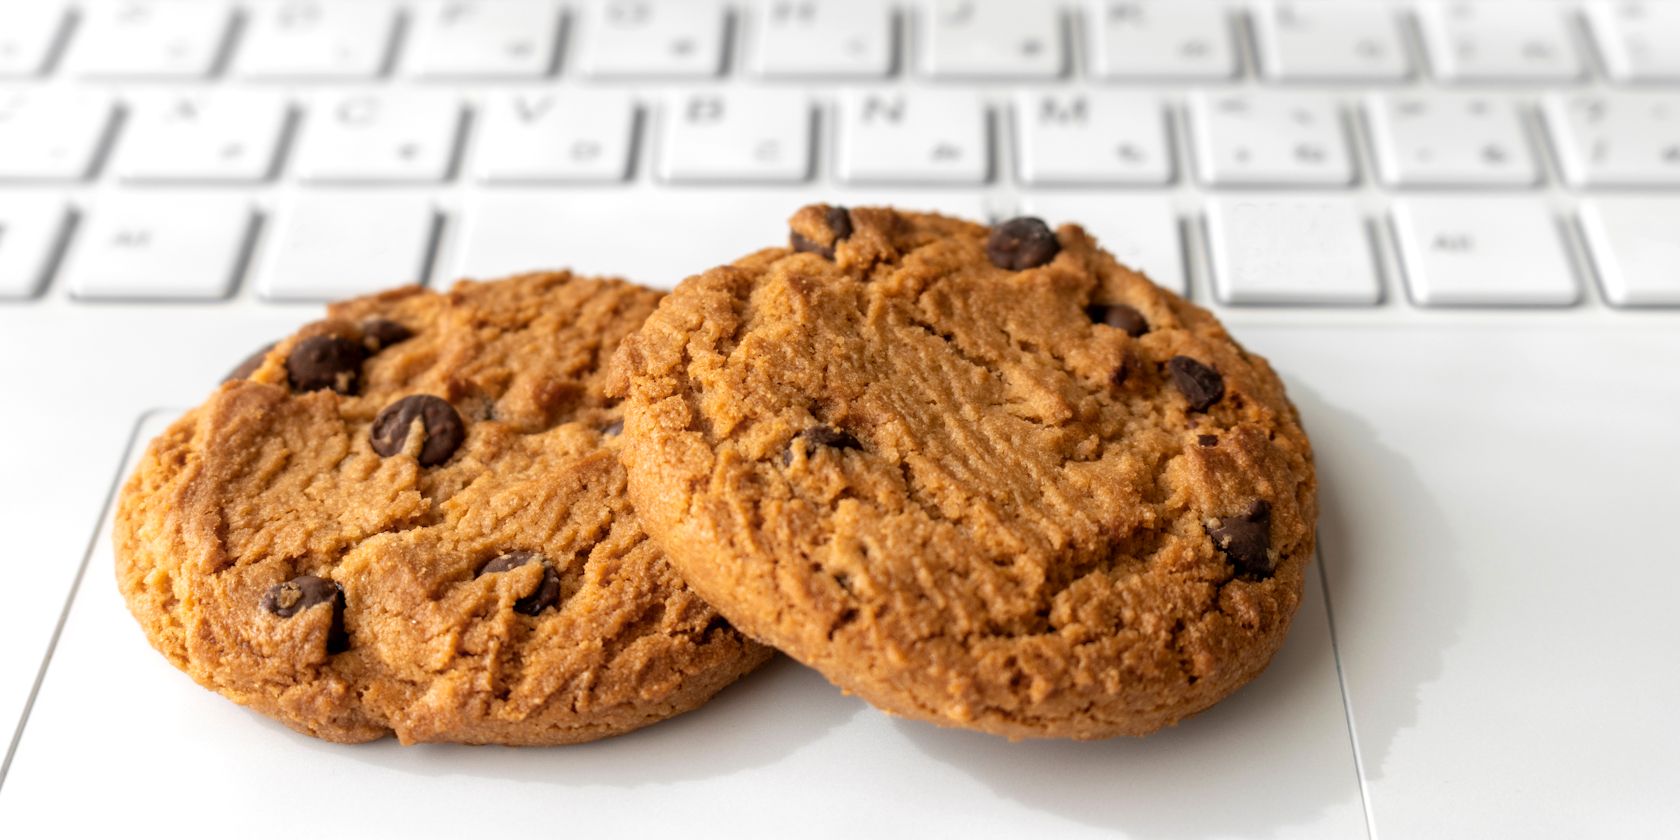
[988, 478]
[408, 518]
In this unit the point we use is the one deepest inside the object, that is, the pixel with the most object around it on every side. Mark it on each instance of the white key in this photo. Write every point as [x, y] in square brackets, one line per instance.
[28, 33]
[823, 38]
[993, 39]
[51, 135]
[1499, 41]
[31, 228]
[201, 136]
[1617, 139]
[1131, 39]
[1141, 232]
[1309, 41]
[151, 246]
[1261, 139]
[148, 39]
[653, 38]
[543, 135]
[716, 136]
[316, 39]
[1095, 137]
[1639, 39]
[329, 245]
[1286, 250]
[371, 137]
[484, 39]
[1471, 251]
[1449, 139]
[913, 137]
[1635, 248]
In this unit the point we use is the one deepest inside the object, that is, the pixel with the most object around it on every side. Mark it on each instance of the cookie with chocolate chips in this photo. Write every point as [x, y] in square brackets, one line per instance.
[408, 518]
[982, 476]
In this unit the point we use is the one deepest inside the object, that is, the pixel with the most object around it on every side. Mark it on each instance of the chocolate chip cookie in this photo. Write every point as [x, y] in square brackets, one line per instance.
[985, 477]
[408, 518]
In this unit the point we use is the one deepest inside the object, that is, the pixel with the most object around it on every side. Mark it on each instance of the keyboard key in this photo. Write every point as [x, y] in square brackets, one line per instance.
[1313, 41]
[329, 245]
[993, 39]
[823, 38]
[1098, 137]
[1616, 139]
[1130, 39]
[1442, 139]
[719, 136]
[31, 229]
[201, 136]
[1635, 248]
[484, 39]
[156, 246]
[1638, 39]
[1469, 251]
[51, 135]
[653, 38]
[28, 33]
[571, 135]
[1141, 232]
[1499, 41]
[1288, 250]
[148, 39]
[1269, 139]
[913, 137]
[316, 39]
[372, 137]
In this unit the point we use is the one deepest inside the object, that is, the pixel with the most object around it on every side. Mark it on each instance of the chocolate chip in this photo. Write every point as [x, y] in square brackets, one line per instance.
[1200, 384]
[250, 365]
[827, 436]
[839, 223]
[1207, 440]
[548, 589]
[613, 429]
[1245, 539]
[1022, 243]
[1119, 316]
[325, 361]
[300, 593]
[380, 333]
[440, 425]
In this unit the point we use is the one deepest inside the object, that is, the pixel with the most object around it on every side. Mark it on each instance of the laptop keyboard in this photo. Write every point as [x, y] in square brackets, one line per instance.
[1409, 155]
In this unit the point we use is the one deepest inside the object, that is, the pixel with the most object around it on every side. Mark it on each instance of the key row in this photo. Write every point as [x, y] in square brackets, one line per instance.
[1238, 138]
[1638, 40]
[1263, 250]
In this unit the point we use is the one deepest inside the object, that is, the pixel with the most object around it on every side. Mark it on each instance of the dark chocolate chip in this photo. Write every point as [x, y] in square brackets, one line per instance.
[300, 593]
[613, 429]
[548, 589]
[839, 223]
[441, 426]
[250, 365]
[1022, 243]
[1119, 316]
[380, 333]
[1244, 539]
[325, 361]
[1207, 440]
[827, 436]
[1200, 384]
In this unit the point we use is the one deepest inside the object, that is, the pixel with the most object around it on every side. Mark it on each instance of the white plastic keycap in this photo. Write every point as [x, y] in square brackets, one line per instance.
[1269, 139]
[334, 244]
[922, 136]
[1092, 137]
[28, 33]
[377, 136]
[1449, 139]
[31, 227]
[148, 39]
[51, 135]
[545, 135]
[200, 136]
[1142, 232]
[316, 39]
[1500, 40]
[743, 136]
[653, 38]
[1476, 251]
[992, 39]
[1638, 39]
[823, 38]
[1622, 139]
[484, 39]
[1636, 248]
[1281, 250]
[1134, 39]
[159, 247]
[1306, 40]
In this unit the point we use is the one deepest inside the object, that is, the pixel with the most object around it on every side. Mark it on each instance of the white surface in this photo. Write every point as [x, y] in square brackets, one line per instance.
[1499, 40]
[335, 245]
[315, 39]
[652, 38]
[1635, 245]
[1638, 39]
[740, 136]
[1483, 252]
[31, 227]
[1288, 250]
[544, 136]
[1082, 138]
[823, 38]
[484, 39]
[1246, 139]
[148, 39]
[27, 32]
[992, 39]
[1622, 139]
[379, 137]
[926, 136]
[1128, 39]
[159, 247]
[196, 136]
[1312, 41]
[1141, 232]
[1449, 139]
[51, 135]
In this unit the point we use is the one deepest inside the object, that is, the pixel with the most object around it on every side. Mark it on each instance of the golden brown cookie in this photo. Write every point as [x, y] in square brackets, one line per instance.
[408, 518]
[983, 477]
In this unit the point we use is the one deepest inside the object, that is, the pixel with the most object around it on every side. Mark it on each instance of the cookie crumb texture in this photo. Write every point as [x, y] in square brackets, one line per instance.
[957, 470]
[408, 519]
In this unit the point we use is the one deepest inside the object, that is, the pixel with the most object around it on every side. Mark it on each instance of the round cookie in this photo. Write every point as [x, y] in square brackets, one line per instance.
[987, 478]
[408, 518]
